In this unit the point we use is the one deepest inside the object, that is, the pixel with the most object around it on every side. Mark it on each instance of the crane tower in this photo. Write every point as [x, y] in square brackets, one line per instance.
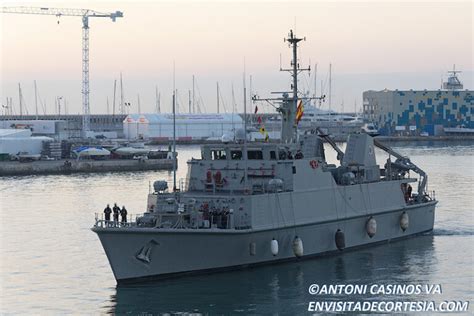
[85, 14]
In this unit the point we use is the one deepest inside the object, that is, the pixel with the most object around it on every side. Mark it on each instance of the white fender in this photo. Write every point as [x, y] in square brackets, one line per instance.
[298, 246]
[371, 227]
[404, 221]
[274, 246]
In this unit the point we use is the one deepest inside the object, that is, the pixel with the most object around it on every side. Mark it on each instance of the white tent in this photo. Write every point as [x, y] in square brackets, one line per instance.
[13, 141]
[188, 126]
[86, 151]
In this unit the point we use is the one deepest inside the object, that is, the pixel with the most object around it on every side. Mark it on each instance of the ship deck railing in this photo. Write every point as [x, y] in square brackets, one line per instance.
[225, 222]
[213, 188]
[101, 222]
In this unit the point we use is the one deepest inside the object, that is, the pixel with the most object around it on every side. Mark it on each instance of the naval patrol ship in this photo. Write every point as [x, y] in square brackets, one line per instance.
[252, 203]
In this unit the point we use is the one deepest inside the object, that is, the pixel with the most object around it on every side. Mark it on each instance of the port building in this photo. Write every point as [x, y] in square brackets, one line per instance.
[423, 111]
[66, 126]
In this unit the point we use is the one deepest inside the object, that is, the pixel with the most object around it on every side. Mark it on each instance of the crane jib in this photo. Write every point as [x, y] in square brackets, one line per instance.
[85, 14]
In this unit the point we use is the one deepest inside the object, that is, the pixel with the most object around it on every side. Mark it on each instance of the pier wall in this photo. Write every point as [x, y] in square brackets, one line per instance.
[15, 168]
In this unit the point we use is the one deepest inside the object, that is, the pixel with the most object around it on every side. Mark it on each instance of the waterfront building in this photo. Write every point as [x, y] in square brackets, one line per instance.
[424, 111]
[66, 126]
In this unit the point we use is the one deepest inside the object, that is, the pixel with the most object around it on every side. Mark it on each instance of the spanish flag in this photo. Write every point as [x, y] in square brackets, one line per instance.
[299, 111]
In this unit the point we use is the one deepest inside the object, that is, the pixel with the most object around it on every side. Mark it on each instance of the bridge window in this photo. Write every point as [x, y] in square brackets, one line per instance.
[254, 155]
[218, 154]
[236, 154]
[273, 155]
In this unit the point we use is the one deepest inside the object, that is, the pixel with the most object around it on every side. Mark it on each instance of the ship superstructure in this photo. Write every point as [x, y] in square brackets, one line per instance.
[246, 203]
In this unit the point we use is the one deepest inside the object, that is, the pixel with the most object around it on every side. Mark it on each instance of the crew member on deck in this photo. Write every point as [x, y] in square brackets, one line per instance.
[116, 210]
[409, 189]
[123, 213]
[107, 212]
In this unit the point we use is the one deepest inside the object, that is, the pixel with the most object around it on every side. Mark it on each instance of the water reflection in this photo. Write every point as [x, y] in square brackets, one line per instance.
[281, 288]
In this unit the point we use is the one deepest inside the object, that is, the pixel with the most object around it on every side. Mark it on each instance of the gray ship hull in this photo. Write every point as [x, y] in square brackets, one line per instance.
[138, 254]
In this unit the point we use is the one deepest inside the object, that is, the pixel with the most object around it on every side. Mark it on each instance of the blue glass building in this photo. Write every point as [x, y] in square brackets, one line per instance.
[421, 111]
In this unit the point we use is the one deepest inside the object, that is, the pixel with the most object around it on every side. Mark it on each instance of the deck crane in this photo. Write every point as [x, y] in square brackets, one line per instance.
[85, 14]
[403, 164]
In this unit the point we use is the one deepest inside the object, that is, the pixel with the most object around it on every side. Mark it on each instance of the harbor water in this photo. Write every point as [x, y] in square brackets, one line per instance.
[51, 262]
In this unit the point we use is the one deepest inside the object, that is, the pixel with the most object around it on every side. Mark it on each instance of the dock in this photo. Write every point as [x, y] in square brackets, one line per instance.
[427, 140]
[63, 166]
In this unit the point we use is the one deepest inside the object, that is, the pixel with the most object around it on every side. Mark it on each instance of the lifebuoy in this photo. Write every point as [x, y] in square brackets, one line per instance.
[313, 164]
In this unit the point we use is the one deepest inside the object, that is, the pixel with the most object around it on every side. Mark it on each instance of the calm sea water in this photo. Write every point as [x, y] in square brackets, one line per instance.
[51, 263]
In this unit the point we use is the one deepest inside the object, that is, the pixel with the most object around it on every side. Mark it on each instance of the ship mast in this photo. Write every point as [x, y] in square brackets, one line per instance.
[174, 128]
[288, 108]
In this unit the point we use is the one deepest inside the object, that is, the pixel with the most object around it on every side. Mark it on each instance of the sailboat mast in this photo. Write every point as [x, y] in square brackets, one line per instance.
[245, 131]
[330, 85]
[217, 83]
[189, 101]
[194, 98]
[174, 127]
[174, 141]
[36, 101]
[315, 79]
[122, 105]
[250, 94]
[157, 100]
[113, 101]
[20, 97]
[245, 109]
[322, 90]
[233, 110]
[138, 102]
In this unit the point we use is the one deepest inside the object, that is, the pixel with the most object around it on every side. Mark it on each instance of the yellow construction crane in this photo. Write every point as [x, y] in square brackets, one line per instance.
[85, 14]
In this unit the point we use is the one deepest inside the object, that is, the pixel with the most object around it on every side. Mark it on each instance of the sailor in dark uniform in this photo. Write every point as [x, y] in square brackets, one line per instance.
[123, 213]
[107, 212]
[116, 210]
[409, 190]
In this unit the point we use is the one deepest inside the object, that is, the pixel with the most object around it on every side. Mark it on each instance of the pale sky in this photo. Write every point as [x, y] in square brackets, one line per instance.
[371, 45]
